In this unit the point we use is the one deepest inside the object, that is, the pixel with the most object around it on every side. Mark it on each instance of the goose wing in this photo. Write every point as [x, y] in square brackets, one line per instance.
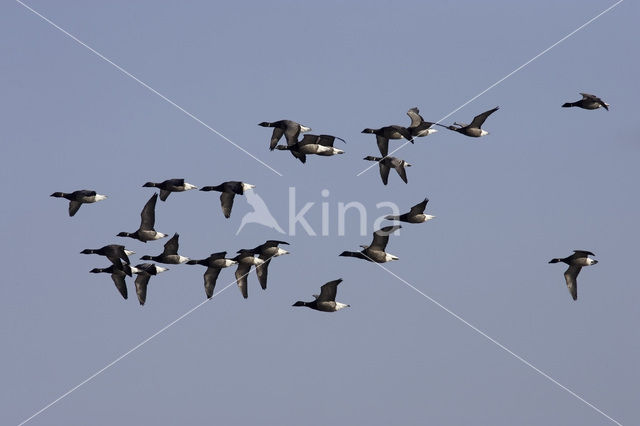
[384, 172]
[74, 206]
[381, 237]
[164, 194]
[419, 208]
[383, 144]
[399, 166]
[210, 278]
[583, 253]
[328, 291]
[226, 200]
[171, 246]
[118, 280]
[479, 119]
[148, 214]
[571, 277]
[275, 137]
[416, 118]
[241, 278]
[291, 133]
[262, 270]
[142, 280]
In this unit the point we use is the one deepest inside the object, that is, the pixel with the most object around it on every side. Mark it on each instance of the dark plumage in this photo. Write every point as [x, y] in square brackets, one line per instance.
[326, 301]
[214, 263]
[419, 127]
[312, 144]
[245, 259]
[576, 261]
[144, 272]
[146, 231]
[169, 254]
[473, 130]
[588, 102]
[290, 130]
[387, 163]
[376, 251]
[383, 135]
[78, 198]
[266, 252]
[415, 215]
[118, 273]
[113, 252]
[228, 190]
[169, 186]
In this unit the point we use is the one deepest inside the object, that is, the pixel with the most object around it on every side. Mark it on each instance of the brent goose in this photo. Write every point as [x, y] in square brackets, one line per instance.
[415, 215]
[375, 252]
[419, 127]
[144, 272]
[113, 252]
[472, 129]
[387, 163]
[148, 219]
[576, 261]
[169, 186]
[118, 273]
[245, 259]
[290, 130]
[326, 301]
[313, 144]
[78, 198]
[170, 253]
[383, 135]
[229, 190]
[588, 102]
[214, 263]
[266, 252]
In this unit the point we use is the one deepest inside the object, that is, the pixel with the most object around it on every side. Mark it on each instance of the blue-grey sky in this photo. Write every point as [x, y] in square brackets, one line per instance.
[547, 180]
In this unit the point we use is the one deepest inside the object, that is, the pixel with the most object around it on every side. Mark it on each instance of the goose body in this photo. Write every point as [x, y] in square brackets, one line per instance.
[576, 262]
[214, 263]
[118, 272]
[170, 253]
[588, 102]
[383, 135]
[78, 198]
[376, 251]
[419, 127]
[388, 163]
[113, 252]
[146, 231]
[313, 145]
[170, 185]
[228, 191]
[474, 129]
[145, 271]
[290, 130]
[266, 252]
[245, 260]
[326, 301]
[415, 215]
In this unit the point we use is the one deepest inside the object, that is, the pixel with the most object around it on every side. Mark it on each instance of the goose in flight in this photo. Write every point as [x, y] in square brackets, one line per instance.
[169, 254]
[376, 251]
[245, 259]
[113, 252]
[588, 102]
[266, 252]
[144, 272]
[576, 261]
[147, 221]
[78, 198]
[387, 163]
[228, 191]
[383, 135]
[312, 144]
[170, 185]
[415, 215]
[214, 263]
[118, 273]
[290, 130]
[326, 301]
[472, 129]
[419, 127]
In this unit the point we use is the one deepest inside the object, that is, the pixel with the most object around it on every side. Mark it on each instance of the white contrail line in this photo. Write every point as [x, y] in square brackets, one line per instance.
[500, 345]
[146, 86]
[508, 75]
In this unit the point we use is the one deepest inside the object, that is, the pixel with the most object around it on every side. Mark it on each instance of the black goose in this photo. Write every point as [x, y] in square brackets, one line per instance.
[376, 251]
[245, 259]
[290, 130]
[326, 301]
[419, 127]
[228, 190]
[214, 263]
[266, 252]
[169, 254]
[78, 198]
[588, 102]
[113, 252]
[387, 163]
[118, 273]
[169, 186]
[144, 272]
[312, 144]
[473, 130]
[147, 222]
[576, 261]
[415, 215]
[383, 135]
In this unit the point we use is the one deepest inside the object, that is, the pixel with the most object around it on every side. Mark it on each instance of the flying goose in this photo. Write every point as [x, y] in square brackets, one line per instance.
[113, 252]
[418, 126]
[147, 221]
[245, 259]
[472, 129]
[144, 272]
[588, 102]
[170, 253]
[169, 186]
[78, 198]
[229, 190]
[375, 252]
[387, 163]
[118, 273]
[576, 261]
[383, 135]
[415, 215]
[290, 130]
[266, 252]
[313, 144]
[326, 301]
[214, 263]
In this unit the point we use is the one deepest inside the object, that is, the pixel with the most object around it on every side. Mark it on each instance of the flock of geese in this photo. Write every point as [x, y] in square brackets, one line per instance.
[261, 255]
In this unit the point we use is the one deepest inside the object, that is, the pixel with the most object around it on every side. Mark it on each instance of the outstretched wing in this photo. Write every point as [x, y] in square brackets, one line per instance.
[584, 253]
[121, 285]
[480, 118]
[262, 270]
[164, 194]
[328, 291]
[401, 171]
[148, 214]
[74, 206]
[226, 200]
[241, 278]
[171, 246]
[383, 144]
[384, 172]
[416, 118]
[275, 137]
[210, 277]
[142, 280]
[419, 208]
[381, 237]
[571, 277]
[292, 132]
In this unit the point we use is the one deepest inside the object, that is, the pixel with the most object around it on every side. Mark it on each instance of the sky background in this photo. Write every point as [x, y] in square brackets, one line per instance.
[546, 181]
